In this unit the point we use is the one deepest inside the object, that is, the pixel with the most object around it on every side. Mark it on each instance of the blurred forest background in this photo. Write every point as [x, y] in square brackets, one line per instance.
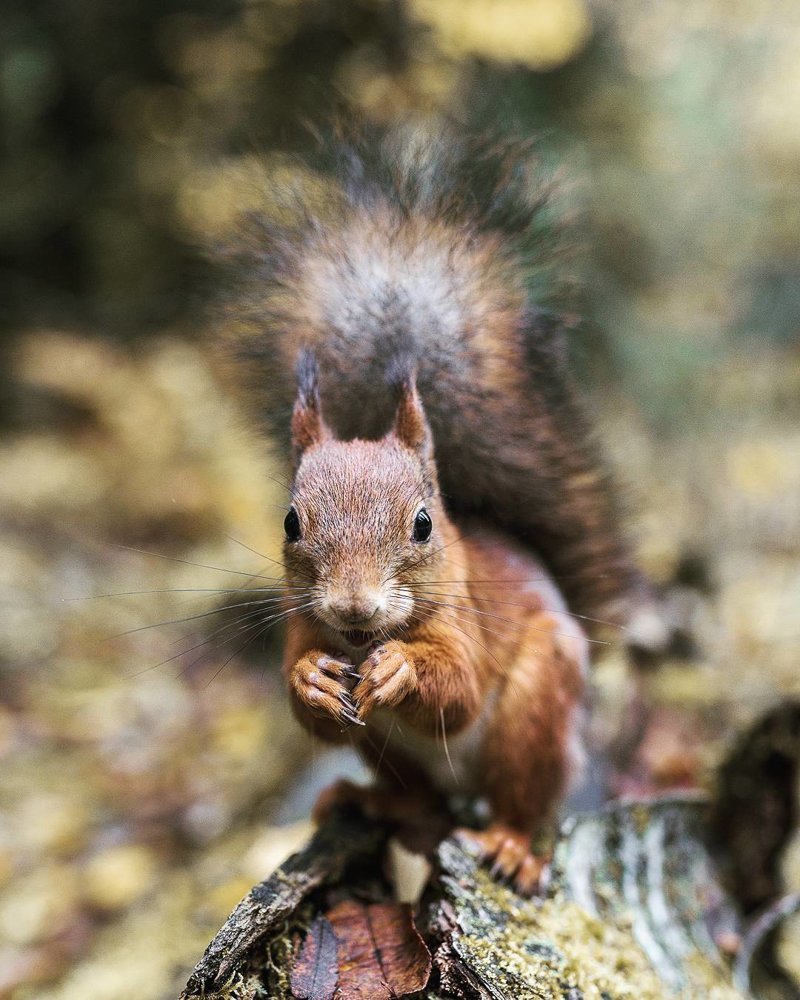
[147, 779]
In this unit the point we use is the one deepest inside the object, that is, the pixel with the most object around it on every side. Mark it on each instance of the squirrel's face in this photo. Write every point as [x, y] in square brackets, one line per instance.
[363, 531]
[365, 525]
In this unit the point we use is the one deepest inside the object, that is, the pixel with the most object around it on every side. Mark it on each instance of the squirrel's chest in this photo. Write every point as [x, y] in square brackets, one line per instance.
[452, 762]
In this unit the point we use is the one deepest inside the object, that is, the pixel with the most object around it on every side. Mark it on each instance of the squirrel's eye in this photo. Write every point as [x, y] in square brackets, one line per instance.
[422, 526]
[291, 525]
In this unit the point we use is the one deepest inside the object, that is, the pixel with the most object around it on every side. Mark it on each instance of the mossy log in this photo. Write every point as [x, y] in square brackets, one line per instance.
[634, 908]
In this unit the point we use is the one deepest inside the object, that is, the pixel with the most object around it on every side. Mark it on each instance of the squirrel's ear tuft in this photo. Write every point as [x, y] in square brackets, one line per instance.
[410, 423]
[308, 427]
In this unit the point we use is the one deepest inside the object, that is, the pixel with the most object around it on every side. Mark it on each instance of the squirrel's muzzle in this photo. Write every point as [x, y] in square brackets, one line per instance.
[355, 609]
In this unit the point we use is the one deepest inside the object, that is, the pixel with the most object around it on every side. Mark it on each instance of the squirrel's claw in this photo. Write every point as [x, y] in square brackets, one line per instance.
[348, 711]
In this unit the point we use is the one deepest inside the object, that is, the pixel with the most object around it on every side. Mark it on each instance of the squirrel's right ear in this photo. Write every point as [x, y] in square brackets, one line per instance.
[308, 427]
[410, 423]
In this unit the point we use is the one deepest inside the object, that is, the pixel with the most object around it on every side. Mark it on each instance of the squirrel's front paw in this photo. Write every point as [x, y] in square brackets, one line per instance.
[387, 675]
[323, 684]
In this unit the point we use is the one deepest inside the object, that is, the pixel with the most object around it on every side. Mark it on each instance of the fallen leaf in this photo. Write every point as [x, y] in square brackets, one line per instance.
[380, 952]
[314, 975]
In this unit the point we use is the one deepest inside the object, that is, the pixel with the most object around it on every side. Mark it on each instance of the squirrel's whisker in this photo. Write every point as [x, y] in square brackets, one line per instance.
[366, 737]
[183, 590]
[389, 735]
[258, 628]
[280, 482]
[501, 618]
[235, 653]
[203, 614]
[272, 618]
[488, 614]
[515, 604]
[447, 748]
[255, 552]
[188, 562]
[219, 670]
[198, 645]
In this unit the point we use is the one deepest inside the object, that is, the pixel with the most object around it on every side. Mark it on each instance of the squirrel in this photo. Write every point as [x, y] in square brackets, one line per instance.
[451, 523]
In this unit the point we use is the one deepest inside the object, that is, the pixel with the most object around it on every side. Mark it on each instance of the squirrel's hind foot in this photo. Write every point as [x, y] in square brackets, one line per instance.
[509, 856]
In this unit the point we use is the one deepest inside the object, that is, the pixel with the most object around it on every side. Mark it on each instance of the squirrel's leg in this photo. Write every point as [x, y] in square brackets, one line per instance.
[401, 796]
[532, 749]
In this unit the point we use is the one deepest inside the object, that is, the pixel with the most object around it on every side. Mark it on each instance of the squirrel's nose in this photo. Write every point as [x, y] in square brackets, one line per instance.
[355, 610]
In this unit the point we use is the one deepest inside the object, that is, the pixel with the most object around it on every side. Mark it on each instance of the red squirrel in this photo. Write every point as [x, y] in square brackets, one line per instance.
[445, 491]
[447, 656]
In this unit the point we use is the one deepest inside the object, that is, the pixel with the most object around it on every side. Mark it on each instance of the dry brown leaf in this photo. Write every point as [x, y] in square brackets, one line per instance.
[314, 976]
[380, 952]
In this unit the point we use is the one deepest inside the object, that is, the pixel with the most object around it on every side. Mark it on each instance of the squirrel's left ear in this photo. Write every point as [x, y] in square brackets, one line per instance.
[410, 423]
[308, 427]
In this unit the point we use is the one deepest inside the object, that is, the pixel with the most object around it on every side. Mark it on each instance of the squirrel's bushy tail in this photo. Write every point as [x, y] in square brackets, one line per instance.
[436, 249]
